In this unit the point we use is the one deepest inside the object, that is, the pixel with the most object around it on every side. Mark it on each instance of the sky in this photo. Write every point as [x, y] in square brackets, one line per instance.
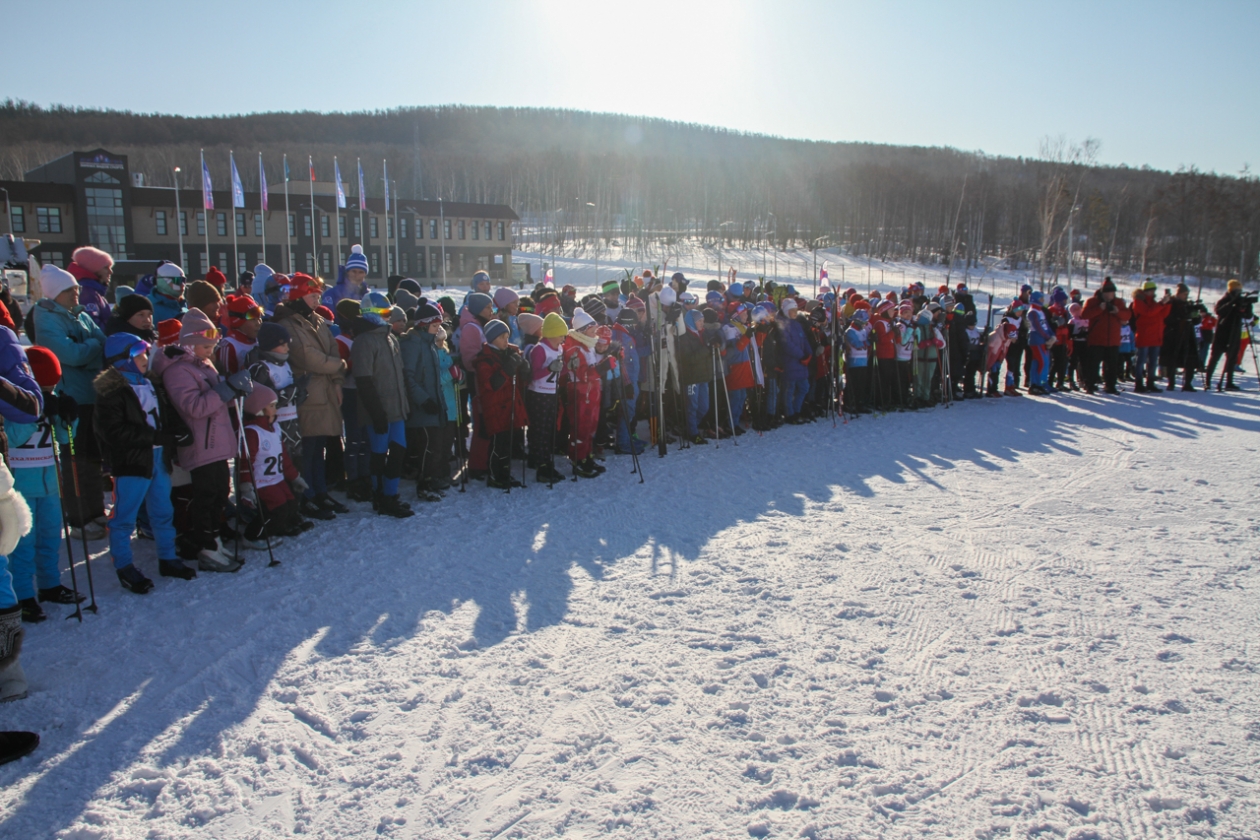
[1163, 84]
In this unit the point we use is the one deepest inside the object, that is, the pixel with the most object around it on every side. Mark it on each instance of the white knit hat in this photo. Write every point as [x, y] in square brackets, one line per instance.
[668, 296]
[53, 281]
[580, 319]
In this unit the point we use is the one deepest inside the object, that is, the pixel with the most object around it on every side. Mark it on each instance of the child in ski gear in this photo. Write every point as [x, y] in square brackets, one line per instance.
[32, 461]
[581, 381]
[167, 295]
[541, 400]
[856, 368]
[133, 314]
[272, 369]
[928, 343]
[202, 397]
[739, 367]
[999, 344]
[428, 428]
[500, 371]
[1040, 340]
[378, 378]
[269, 481]
[796, 359]
[238, 349]
[137, 426]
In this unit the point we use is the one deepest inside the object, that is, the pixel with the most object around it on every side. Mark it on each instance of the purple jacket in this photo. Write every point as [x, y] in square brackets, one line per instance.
[795, 347]
[92, 299]
[190, 384]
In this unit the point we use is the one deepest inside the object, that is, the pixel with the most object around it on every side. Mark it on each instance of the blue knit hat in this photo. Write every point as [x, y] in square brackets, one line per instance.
[478, 301]
[356, 259]
[375, 307]
[121, 348]
[494, 329]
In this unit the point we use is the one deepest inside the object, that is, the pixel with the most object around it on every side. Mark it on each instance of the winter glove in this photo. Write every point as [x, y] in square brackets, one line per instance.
[247, 494]
[430, 406]
[298, 485]
[557, 365]
[614, 348]
[15, 516]
[805, 361]
[225, 392]
[574, 362]
[67, 409]
[457, 374]
[606, 365]
[241, 382]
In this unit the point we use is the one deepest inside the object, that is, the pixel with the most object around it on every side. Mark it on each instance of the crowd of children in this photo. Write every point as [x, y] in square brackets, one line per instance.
[222, 422]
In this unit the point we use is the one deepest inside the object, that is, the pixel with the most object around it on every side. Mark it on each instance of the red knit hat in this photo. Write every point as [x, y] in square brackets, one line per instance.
[168, 332]
[44, 365]
[239, 309]
[325, 313]
[215, 278]
[546, 304]
[301, 285]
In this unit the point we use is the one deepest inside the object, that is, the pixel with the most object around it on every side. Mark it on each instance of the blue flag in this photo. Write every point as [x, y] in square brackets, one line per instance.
[207, 188]
[238, 192]
[341, 194]
[262, 181]
[361, 204]
[386, 167]
[286, 167]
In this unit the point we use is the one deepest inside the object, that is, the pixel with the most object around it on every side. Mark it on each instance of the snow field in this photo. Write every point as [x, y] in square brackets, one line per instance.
[1014, 618]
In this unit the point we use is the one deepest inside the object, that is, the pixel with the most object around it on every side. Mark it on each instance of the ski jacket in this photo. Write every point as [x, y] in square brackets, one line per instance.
[695, 356]
[501, 389]
[469, 339]
[422, 372]
[1148, 320]
[580, 379]
[450, 371]
[313, 354]
[1039, 332]
[904, 332]
[999, 342]
[268, 464]
[855, 345]
[77, 342]
[739, 370]
[123, 430]
[885, 341]
[290, 393]
[165, 308]
[378, 373]
[235, 352]
[1104, 322]
[91, 295]
[190, 384]
[796, 350]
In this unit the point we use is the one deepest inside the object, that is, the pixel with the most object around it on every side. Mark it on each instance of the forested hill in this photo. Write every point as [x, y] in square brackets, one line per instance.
[583, 174]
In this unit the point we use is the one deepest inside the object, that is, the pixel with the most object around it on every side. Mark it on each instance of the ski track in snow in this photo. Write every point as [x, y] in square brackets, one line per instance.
[1008, 619]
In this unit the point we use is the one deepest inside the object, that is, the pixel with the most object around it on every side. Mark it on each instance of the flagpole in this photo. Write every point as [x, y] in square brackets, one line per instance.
[337, 208]
[236, 257]
[442, 238]
[205, 211]
[314, 221]
[385, 171]
[262, 187]
[288, 239]
[397, 231]
[362, 230]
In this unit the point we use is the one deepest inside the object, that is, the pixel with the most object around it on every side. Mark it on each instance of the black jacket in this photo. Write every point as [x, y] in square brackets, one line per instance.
[125, 437]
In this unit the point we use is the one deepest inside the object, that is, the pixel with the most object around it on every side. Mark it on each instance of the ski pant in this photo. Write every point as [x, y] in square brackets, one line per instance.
[969, 381]
[1219, 353]
[1109, 358]
[479, 449]
[211, 484]
[697, 406]
[357, 453]
[501, 456]
[542, 410]
[905, 369]
[583, 403]
[130, 492]
[772, 397]
[857, 383]
[38, 554]
[1078, 364]
[89, 504]
[923, 382]
[8, 598]
[1014, 357]
[1059, 365]
[794, 391]
[625, 407]
[1039, 369]
[431, 447]
[313, 471]
[887, 374]
[1146, 363]
[389, 452]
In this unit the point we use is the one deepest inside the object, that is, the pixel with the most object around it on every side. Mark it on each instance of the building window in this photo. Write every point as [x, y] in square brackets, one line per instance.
[433, 262]
[447, 226]
[183, 222]
[201, 223]
[501, 234]
[341, 226]
[223, 263]
[402, 227]
[372, 226]
[310, 263]
[292, 225]
[483, 263]
[306, 226]
[220, 223]
[48, 219]
[324, 227]
[262, 258]
[159, 221]
[476, 230]
[240, 224]
[433, 228]
[205, 262]
[376, 264]
[420, 263]
[446, 264]
[57, 258]
[389, 227]
[258, 224]
[358, 228]
[389, 258]
[461, 263]
[325, 260]
[242, 264]
[107, 227]
[17, 219]
[461, 228]
[405, 267]
[419, 228]
[487, 231]
[183, 261]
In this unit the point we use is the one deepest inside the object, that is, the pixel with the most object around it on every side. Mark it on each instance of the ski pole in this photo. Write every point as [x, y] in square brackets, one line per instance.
[459, 438]
[717, 424]
[625, 412]
[87, 555]
[510, 435]
[65, 527]
[729, 414]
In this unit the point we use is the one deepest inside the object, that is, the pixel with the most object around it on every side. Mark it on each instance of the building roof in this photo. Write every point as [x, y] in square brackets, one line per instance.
[191, 199]
[34, 191]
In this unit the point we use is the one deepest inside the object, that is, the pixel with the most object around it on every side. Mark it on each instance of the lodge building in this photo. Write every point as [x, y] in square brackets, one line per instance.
[93, 198]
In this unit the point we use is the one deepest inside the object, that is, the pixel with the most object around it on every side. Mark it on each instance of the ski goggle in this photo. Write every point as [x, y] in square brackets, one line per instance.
[210, 333]
[248, 315]
[139, 348]
[380, 312]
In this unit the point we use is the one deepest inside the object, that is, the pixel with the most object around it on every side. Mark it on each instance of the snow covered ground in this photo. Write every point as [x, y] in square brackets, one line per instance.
[1012, 618]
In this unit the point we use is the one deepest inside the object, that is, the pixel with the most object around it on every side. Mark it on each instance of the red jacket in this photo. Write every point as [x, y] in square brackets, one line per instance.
[1149, 328]
[1104, 326]
[885, 344]
[501, 381]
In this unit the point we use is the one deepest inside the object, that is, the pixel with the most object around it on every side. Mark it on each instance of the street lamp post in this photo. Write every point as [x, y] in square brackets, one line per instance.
[8, 211]
[179, 224]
